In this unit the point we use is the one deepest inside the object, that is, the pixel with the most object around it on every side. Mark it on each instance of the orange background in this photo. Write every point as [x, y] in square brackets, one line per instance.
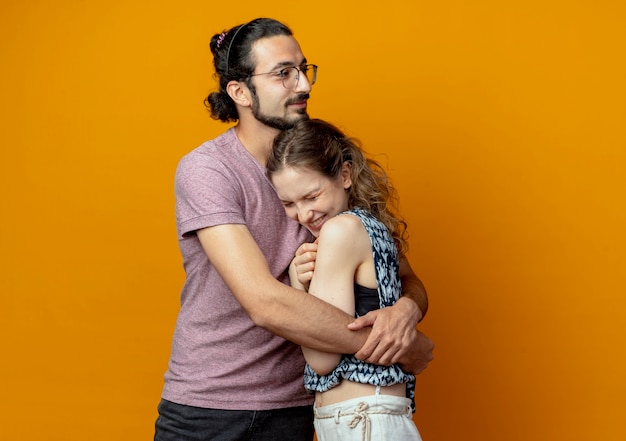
[502, 124]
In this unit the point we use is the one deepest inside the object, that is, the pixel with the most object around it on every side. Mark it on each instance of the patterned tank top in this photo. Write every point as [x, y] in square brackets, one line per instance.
[386, 264]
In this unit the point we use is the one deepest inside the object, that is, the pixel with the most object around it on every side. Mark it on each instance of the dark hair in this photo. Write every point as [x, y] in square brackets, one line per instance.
[233, 60]
[318, 145]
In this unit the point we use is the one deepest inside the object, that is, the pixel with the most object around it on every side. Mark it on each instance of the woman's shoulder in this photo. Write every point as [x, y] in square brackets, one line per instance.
[345, 231]
[342, 224]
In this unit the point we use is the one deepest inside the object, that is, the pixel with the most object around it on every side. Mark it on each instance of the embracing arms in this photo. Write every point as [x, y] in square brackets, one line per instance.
[394, 337]
[302, 318]
[284, 311]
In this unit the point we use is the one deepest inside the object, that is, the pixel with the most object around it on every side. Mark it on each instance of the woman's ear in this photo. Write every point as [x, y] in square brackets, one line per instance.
[346, 174]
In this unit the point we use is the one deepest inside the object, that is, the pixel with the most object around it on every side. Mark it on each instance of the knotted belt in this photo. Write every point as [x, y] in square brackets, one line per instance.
[361, 415]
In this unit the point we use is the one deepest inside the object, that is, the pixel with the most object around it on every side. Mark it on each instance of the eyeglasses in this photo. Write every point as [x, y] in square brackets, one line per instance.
[291, 75]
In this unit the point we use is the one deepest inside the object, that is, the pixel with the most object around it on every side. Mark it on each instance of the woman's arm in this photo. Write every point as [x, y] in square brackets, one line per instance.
[413, 289]
[394, 338]
[343, 246]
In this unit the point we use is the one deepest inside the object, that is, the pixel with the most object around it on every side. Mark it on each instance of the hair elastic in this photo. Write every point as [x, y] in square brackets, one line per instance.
[220, 39]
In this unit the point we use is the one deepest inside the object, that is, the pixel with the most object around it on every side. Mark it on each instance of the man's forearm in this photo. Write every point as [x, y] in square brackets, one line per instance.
[308, 321]
[413, 288]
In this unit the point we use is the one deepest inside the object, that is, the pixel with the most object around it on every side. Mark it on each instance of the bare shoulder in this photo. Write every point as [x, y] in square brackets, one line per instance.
[345, 231]
[342, 227]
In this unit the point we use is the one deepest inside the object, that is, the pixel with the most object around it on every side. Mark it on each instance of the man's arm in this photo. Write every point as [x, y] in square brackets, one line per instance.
[282, 310]
[413, 288]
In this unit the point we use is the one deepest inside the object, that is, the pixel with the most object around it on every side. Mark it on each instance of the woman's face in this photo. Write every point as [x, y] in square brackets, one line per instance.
[311, 198]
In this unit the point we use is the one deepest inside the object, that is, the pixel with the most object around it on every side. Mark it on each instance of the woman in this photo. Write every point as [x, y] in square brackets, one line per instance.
[327, 184]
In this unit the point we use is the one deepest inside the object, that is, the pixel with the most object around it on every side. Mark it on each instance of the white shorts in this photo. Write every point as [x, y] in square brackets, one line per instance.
[371, 418]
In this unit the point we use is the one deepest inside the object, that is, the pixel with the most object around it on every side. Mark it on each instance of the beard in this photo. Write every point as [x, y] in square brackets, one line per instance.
[278, 122]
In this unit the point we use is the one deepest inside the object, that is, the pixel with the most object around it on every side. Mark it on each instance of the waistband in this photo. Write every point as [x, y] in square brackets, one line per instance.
[389, 404]
[358, 410]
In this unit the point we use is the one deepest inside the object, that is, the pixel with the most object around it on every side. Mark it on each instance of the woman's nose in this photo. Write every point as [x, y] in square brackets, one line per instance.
[304, 215]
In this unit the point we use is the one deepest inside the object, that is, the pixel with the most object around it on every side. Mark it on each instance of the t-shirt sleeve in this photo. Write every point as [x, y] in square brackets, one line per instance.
[207, 194]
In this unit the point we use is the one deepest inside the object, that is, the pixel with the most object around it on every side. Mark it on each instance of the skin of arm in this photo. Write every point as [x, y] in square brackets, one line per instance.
[343, 246]
[413, 288]
[391, 332]
[394, 337]
[303, 266]
[272, 305]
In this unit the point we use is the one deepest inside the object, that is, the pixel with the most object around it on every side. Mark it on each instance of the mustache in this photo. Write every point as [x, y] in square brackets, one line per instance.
[298, 99]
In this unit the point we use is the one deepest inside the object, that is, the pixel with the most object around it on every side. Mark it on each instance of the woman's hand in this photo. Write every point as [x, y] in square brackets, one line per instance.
[303, 264]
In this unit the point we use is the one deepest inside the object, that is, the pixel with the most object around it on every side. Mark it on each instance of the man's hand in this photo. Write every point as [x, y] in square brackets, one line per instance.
[304, 263]
[419, 355]
[394, 338]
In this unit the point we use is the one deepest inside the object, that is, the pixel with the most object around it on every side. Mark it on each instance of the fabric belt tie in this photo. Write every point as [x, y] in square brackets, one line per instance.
[360, 415]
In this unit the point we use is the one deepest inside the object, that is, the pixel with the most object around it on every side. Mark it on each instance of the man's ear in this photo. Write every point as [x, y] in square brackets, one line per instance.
[239, 93]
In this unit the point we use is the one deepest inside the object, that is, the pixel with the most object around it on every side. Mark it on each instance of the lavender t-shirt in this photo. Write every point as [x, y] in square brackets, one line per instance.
[219, 358]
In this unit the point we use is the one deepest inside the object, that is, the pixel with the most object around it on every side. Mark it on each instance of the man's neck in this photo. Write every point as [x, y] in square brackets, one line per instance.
[257, 138]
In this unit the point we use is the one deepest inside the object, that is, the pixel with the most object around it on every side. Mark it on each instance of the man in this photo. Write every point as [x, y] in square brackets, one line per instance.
[235, 371]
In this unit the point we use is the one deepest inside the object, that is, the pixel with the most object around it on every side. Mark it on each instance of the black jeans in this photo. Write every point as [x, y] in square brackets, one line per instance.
[177, 422]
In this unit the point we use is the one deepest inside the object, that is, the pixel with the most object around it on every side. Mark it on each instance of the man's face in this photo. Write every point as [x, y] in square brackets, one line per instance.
[273, 104]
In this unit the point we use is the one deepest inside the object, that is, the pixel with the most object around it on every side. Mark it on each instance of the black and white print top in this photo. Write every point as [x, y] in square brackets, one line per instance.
[386, 264]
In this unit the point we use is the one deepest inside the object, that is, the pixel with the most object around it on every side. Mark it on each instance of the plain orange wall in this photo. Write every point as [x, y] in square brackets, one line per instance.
[502, 124]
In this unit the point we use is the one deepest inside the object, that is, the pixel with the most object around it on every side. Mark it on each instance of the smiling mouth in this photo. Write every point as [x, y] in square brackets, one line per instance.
[317, 223]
